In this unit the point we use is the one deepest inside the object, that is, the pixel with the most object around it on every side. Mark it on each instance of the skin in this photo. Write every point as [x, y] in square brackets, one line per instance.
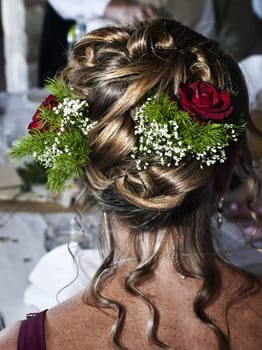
[74, 325]
[124, 11]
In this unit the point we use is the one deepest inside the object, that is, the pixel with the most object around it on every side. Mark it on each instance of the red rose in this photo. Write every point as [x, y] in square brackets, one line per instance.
[37, 123]
[203, 101]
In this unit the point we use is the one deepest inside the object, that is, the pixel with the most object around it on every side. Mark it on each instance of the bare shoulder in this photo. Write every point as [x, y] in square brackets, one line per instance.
[251, 289]
[253, 301]
[65, 323]
[71, 309]
[9, 336]
[246, 316]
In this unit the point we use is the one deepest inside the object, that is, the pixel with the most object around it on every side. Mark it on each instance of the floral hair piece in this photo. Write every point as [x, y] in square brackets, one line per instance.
[198, 124]
[57, 136]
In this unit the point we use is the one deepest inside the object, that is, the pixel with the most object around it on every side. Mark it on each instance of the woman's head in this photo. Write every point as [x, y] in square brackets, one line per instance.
[161, 194]
[116, 70]
[154, 113]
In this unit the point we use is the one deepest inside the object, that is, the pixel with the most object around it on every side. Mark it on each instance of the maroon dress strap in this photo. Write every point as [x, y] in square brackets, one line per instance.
[32, 333]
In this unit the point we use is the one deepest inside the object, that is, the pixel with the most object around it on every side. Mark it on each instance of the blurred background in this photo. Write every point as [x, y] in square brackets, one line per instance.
[47, 250]
[32, 26]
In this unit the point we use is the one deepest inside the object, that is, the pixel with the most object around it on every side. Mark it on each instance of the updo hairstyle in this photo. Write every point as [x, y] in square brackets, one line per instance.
[115, 70]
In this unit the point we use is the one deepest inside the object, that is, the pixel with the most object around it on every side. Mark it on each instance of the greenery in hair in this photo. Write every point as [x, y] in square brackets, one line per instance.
[58, 134]
[167, 131]
[58, 137]
[59, 89]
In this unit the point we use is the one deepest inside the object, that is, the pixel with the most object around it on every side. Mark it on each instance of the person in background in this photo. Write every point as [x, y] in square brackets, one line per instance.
[63, 17]
[160, 114]
[60, 16]
[233, 23]
[238, 28]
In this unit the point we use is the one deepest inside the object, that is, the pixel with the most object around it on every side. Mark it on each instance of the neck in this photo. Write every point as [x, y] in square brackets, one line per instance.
[142, 261]
[129, 244]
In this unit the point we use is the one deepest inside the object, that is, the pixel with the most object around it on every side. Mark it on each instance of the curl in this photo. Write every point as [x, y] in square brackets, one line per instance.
[115, 69]
[142, 271]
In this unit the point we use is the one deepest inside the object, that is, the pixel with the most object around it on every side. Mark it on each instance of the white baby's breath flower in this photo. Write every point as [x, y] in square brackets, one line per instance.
[71, 111]
[166, 140]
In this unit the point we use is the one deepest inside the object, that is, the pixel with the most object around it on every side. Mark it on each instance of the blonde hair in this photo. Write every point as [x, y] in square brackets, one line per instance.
[115, 69]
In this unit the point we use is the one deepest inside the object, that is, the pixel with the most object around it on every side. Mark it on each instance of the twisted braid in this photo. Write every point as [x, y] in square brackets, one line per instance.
[115, 69]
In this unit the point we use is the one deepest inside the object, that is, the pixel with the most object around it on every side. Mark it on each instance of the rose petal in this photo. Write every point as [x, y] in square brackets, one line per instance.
[213, 115]
[48, 100]
[204, 101]
[37, 123]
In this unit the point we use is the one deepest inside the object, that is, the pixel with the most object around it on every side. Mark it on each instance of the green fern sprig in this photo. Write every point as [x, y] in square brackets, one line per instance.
[164, 130]
[59, 89]
[61, 146]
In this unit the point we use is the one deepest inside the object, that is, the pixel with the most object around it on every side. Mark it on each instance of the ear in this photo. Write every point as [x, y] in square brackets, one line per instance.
[224, 171]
